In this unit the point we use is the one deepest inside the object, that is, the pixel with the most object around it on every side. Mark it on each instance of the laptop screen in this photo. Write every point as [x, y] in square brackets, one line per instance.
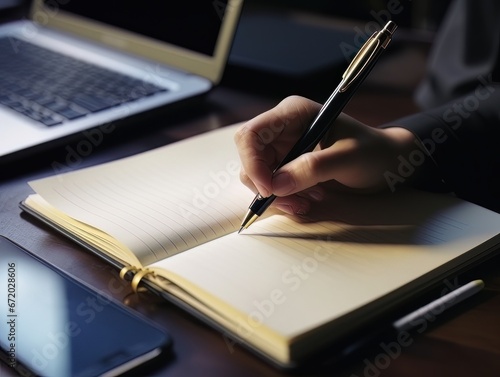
[190, 24]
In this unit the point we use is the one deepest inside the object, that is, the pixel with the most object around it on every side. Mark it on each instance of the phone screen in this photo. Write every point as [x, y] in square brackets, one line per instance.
[55, 326]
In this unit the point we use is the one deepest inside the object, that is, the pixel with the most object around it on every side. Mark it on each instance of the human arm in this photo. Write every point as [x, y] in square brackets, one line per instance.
[462, 140]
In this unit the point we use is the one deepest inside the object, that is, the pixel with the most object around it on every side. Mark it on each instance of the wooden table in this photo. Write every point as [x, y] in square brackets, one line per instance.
[463, 342]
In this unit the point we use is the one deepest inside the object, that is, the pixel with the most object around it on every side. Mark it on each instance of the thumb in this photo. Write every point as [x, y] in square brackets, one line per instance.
[299, 174]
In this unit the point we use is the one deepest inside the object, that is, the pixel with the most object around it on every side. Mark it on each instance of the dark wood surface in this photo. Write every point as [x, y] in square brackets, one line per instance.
[463, 342]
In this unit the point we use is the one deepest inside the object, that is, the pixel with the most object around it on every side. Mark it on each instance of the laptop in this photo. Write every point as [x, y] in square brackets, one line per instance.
[80, 64]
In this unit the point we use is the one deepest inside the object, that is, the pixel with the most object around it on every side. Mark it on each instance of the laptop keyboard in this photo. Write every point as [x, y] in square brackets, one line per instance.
[53, 88]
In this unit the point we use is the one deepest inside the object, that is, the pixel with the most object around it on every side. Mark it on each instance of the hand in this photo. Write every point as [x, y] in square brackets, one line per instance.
[351, 156]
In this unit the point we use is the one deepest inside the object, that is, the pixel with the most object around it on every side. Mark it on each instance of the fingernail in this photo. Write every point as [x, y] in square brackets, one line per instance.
[285, 208]
[291, 210]
[315, 195]
[264, 193]
[283, 184]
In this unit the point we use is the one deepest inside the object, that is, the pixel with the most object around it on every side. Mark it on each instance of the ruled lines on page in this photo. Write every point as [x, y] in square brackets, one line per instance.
[161, 202]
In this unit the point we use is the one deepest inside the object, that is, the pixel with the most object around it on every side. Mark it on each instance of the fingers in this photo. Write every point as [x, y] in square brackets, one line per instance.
[333, 159]
[352, 156]
[300, 203]
[293, 205]
[359, 160]
[263, 141]
[302, 173]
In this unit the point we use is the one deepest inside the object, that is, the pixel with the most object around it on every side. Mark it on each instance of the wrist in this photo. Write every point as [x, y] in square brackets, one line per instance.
[413, 164]
[404, 140]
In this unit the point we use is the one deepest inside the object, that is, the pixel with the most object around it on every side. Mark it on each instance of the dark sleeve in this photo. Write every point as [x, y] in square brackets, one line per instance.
[459, 127]
[461, 140]
[465, 50]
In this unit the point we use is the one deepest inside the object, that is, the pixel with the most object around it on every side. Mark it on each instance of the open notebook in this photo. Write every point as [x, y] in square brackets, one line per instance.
[285, 288]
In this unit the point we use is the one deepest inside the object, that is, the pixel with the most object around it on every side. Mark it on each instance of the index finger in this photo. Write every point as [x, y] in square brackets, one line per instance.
[263, 141]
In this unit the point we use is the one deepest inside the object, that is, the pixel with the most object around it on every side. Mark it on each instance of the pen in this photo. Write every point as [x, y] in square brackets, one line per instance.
[399, 329]
[354, 75]
[439, 305]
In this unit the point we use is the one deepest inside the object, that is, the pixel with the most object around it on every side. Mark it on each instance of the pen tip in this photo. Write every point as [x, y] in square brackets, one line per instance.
[239, 231]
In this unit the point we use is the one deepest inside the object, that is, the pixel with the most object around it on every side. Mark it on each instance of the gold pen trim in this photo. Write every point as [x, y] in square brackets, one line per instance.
[358, 64]
[366, 54]
[248, 220]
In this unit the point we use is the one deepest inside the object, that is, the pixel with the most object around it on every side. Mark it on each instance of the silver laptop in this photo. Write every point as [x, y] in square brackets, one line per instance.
[80, 64]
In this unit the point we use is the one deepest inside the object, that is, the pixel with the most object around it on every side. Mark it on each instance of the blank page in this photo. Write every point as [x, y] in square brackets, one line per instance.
[294, 276]
[160, 202]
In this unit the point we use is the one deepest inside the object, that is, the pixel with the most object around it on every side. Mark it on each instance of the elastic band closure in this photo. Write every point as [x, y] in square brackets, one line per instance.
[138, 277]
[125, 270]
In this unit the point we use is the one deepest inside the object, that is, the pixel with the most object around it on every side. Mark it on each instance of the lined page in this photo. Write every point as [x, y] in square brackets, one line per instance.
[160, 202]
[292, 277]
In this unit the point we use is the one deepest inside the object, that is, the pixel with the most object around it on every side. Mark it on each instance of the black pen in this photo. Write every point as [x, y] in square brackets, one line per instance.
[354, 75]
[397, 334]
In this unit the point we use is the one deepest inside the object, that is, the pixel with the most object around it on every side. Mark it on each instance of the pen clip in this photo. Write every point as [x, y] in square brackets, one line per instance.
[366, 54]
[360, 62]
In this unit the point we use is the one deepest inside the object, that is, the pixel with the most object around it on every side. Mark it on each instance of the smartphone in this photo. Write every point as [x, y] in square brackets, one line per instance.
[55, 325]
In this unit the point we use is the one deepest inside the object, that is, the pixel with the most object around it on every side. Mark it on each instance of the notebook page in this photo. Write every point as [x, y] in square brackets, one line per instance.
[292, 277]
[160, 202]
